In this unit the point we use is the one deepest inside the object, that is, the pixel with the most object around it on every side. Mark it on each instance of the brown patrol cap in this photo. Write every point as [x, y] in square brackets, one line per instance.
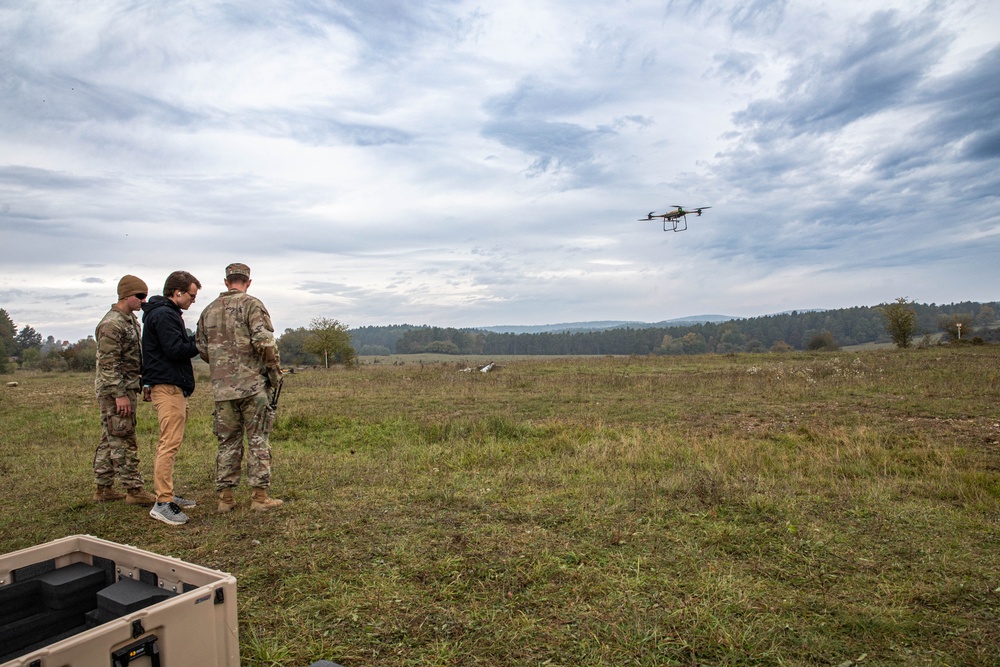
[130, 286]
[237, 269]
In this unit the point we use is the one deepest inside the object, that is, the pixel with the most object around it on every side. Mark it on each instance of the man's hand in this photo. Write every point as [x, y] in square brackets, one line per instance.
[123, 406]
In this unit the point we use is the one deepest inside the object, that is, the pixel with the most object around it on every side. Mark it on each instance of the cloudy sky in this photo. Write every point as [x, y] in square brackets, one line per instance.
[463, 164]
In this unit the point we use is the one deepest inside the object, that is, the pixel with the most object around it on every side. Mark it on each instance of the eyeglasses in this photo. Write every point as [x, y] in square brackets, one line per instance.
[140, 296]
[193, 296]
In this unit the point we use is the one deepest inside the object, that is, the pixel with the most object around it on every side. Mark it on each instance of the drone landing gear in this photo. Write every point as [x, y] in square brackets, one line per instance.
[680, 224]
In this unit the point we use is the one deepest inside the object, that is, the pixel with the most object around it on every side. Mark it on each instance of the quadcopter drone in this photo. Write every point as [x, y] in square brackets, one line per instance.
[677, 217]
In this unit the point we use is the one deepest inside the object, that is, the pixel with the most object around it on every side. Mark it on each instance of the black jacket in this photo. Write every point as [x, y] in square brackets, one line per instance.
[167, 348]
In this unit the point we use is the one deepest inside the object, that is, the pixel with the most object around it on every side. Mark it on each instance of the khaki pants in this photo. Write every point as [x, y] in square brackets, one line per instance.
[172, 412]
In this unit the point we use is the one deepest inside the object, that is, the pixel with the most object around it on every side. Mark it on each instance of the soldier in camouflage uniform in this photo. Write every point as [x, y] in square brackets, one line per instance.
[236, 338]
[119, 364]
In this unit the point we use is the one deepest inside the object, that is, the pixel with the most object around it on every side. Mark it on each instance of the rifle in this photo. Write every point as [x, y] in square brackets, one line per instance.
[277, 393]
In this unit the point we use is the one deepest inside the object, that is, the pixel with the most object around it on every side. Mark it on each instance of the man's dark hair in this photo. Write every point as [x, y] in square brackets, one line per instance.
[179, 280]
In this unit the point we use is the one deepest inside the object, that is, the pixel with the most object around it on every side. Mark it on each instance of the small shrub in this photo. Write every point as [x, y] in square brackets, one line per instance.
[822, 342]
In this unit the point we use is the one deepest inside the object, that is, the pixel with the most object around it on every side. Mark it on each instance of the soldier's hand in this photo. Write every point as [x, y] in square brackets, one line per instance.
[123, 406]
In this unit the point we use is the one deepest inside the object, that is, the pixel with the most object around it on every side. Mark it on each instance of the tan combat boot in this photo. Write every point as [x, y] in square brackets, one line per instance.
[260, 501]
[226, 501]
[139, 496]
[106, 493]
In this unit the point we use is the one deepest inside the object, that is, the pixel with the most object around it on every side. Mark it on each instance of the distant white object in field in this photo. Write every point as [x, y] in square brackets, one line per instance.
[482, 369]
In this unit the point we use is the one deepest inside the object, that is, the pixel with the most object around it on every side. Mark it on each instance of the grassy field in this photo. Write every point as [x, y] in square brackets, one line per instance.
[798, 509]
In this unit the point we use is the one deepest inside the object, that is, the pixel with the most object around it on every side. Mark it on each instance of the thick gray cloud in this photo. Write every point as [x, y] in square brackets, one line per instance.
[880, 67]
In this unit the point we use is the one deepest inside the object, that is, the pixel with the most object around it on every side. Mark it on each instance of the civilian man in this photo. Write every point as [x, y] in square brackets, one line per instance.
[168, 377]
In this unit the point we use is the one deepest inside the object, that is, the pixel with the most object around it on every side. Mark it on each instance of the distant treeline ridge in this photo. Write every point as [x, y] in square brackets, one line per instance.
[794, 330]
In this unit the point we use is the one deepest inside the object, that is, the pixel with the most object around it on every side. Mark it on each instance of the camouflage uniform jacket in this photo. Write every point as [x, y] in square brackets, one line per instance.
[119, 354]
[236, 338]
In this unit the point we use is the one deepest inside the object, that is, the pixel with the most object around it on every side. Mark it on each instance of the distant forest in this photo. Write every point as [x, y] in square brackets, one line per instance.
[828, 329]
[972, 322]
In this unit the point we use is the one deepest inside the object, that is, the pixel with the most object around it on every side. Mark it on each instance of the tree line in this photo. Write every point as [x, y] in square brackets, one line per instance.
[25, 348]
[817, 330]
[327, 341]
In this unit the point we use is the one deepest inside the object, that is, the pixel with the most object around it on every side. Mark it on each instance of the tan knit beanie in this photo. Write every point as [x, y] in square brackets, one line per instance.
[130, 286]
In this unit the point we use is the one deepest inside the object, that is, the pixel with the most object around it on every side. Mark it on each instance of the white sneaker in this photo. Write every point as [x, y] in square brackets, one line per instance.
[168, 513]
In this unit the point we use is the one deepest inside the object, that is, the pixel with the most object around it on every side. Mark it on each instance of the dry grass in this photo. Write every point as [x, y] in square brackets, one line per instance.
[746, 510]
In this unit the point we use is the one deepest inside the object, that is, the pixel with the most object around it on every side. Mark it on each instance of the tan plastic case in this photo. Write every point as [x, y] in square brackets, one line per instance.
[195, 626]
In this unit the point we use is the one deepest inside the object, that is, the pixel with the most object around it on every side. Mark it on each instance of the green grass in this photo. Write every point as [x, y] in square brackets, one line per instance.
[796, 509]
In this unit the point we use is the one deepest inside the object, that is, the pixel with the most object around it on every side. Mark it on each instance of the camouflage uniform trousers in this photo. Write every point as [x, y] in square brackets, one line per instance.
[254, 416]
[117, 453]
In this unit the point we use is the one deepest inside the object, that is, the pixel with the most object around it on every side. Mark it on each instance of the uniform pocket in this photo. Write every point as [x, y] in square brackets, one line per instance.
[120, 426]
[267, 423]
